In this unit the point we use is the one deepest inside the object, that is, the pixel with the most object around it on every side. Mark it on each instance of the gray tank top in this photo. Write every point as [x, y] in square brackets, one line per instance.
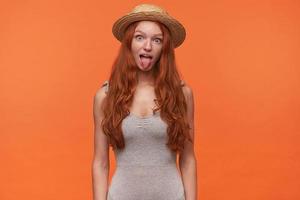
[146, 169]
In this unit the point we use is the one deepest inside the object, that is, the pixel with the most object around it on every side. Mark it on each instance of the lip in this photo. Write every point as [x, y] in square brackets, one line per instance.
[146, 55]
[141, 58]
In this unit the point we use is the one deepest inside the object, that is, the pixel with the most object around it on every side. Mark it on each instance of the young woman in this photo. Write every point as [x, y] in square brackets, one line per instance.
[145, 112]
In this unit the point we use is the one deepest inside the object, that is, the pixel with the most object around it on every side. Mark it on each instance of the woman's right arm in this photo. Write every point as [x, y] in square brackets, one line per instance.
[100, 165]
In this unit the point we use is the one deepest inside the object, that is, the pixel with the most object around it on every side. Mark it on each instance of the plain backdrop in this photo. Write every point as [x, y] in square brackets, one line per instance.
[241, 59]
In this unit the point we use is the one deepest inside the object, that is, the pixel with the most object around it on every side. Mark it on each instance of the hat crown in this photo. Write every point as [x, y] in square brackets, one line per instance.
[148, 8]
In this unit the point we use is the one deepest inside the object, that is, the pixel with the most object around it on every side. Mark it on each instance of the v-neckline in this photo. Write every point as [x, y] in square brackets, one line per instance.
[143, 117]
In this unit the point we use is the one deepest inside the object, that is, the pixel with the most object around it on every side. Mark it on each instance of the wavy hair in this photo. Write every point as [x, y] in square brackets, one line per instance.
[169, 100]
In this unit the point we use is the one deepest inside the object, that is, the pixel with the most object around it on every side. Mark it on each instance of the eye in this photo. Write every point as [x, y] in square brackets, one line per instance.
[138, 37]
[158, 40]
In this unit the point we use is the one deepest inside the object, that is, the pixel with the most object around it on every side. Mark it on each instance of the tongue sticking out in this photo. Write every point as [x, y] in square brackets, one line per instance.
[145, 61]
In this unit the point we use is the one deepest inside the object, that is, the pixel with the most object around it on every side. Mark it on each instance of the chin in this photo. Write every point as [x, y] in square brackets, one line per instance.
[145, 70]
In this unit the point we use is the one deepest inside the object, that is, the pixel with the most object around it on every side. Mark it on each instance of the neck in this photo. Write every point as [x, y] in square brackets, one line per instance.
[146, 78]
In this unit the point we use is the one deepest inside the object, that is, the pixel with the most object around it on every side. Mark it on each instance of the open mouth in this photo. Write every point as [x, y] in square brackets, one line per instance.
[145, 60]
[145, 56]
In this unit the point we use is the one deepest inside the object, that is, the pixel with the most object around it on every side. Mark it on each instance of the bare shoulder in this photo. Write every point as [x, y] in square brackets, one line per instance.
[99, 96]
[187, 90]
[100, 93]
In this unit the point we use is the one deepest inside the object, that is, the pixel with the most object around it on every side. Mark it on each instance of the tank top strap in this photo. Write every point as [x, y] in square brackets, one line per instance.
[106, 85]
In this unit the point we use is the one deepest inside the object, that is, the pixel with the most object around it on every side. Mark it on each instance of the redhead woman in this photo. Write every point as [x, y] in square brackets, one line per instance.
[145, 112]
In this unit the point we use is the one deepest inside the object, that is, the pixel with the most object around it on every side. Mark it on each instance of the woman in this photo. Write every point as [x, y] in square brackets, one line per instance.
[145, 112]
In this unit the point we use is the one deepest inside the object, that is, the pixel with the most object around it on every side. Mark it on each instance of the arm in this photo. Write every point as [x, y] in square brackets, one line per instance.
[100, 164]
[187, 159]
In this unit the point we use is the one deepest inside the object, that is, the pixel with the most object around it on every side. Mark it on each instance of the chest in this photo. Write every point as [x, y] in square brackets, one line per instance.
[143, 102]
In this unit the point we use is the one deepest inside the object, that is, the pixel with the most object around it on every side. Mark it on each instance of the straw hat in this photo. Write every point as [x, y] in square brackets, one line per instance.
[151, 13]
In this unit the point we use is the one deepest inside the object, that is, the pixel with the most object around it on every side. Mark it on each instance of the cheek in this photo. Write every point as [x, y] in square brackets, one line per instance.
[134, 48]
[158, 53]
[133, 45]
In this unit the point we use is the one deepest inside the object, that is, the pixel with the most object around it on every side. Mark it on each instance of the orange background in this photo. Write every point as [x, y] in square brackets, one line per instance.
[241, 59]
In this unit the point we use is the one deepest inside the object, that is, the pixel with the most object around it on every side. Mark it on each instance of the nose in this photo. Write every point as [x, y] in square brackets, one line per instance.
[148, 45]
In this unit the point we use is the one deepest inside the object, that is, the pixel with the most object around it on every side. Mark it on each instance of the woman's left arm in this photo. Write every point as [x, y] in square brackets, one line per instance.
[187, 159]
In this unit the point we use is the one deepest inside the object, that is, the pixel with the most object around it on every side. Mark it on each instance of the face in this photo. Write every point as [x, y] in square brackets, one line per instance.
[146, 45]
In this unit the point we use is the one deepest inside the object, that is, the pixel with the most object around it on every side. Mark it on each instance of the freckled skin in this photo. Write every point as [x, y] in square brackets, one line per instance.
[147, 39]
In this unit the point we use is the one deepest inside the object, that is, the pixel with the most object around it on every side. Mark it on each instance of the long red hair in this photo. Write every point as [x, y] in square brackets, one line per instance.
[168, 90]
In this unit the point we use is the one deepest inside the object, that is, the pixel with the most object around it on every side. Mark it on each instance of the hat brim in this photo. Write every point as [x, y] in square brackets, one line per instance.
[176, 29]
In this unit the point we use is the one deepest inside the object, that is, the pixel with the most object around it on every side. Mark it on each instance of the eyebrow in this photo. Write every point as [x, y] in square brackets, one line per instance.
[158, 34]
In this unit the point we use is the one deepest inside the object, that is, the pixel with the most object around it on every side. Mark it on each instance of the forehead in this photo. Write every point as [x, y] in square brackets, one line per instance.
[148, 27]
